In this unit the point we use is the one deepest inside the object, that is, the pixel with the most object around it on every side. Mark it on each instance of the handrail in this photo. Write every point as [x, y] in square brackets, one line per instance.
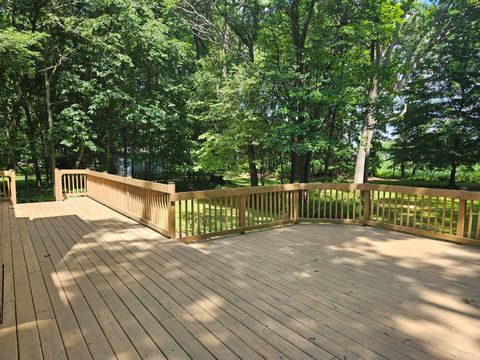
[452, 215]
[8, 189]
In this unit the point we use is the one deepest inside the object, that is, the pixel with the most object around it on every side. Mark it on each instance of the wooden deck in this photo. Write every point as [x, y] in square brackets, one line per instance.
[82, 281]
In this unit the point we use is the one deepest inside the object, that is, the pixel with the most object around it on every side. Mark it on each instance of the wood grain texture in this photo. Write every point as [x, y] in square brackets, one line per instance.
[83, 281]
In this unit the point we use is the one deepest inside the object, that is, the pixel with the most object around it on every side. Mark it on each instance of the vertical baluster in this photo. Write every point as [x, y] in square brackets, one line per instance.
[383, 205]
[470, 220]
[204, 216]
[415, 212]
[308, 203]
[192, 216]
[232, 217]
[215, 215]
[180, 218]
[227, 207]
[229, 220]
[422, 204]
[452, 207]
[314, 202]
[186, 218]
[319, 203]
[325, 203]
[303, 196]
[330, 203]
[354, 215]
[336, 204]
[429, 212]
[402, 211]
[283, 200]
[348, 204]
[270, 207]
[395, 208]
[408, 211]
[262, 208]
[477, 236]
[444, 209]
[247, 210]
[341, 203]
[389, 213]
[254, 209]
[274, 206]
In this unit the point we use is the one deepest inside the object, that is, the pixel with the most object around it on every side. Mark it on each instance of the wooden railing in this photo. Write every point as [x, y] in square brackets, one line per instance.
[144, 201]
[444, 214]
[204, 214]
[8, 190]
[70, 183]
[452, 215]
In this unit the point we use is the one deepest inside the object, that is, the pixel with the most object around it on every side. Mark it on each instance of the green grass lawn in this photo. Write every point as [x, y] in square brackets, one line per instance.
[244, 181]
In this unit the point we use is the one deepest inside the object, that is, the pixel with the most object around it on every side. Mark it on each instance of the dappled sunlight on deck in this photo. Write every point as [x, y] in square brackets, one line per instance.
[83, 281]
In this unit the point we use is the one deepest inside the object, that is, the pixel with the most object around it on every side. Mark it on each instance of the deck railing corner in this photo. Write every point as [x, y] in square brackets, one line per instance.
[8, 186]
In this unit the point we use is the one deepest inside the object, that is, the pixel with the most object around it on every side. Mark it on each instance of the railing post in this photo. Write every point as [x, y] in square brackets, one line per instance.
[462, 207]
[13, 187]
[171, 213]
[58, 185]
[296, 199]
[366, 205]
[241, 212]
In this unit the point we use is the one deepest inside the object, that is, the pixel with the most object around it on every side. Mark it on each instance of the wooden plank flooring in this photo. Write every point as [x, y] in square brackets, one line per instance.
[83, 282]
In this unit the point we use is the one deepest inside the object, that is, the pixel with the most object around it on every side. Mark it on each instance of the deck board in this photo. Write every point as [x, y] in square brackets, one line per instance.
[83, 281]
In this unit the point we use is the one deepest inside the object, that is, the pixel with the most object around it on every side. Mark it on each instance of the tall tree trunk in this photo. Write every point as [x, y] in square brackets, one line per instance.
[402, 169]
[81, 154]
[44, 147]
[31, 144]
[51, 143]
[453, 174]
[326, 165]
[365, 142]
[293, 166]
[252, 166]
[306, 167]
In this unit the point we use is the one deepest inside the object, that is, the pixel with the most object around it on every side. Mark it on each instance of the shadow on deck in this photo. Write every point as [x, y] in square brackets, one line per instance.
[82, 281]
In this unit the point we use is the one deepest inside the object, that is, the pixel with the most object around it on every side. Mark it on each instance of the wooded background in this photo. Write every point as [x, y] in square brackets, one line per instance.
[197, 90]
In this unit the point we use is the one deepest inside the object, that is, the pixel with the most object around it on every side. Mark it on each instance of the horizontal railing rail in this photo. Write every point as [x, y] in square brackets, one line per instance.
[8, 190]
[452, 215]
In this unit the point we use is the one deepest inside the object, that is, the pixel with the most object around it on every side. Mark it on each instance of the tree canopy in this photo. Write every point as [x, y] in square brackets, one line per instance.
[201, 89]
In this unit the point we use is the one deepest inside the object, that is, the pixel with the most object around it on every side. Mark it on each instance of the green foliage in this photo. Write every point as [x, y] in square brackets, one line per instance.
[202, 90]
[442, 126]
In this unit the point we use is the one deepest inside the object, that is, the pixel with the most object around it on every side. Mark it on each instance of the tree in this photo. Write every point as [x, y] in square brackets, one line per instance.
[444, 98]
[401, 34]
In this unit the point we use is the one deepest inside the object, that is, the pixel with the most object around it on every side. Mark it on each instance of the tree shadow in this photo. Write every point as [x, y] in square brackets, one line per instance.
[307, 291]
